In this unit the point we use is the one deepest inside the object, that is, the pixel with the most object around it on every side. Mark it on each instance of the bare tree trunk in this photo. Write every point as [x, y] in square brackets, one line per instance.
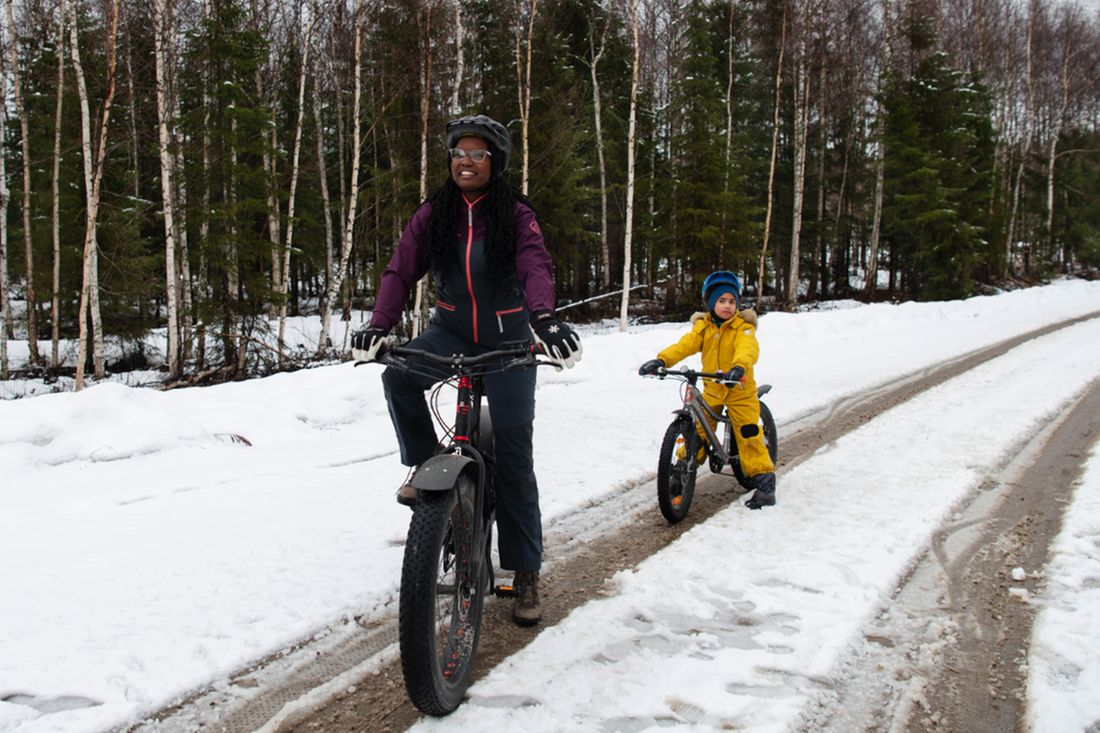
[274, 228]
[597, 103]
[460, 59]
[424, 21]
[294, 167]
[871, 283]
[353, 187]
[180, 190]
[93, 178]
[55, 301]
[1029, 113]
[729, 111]
[523, 84]
[771, 171]
[801, 113]
[5, 197]
[818, 277]
[28, 240]
[163, 26]
[326, 304]
[630, 154]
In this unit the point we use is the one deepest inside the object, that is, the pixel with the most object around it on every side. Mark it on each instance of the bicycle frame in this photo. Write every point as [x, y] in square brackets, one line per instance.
[465, 454]
[447, 571]
[698, 409]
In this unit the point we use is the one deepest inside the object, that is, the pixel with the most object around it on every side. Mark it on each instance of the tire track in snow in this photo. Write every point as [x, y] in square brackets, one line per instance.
[297, 685]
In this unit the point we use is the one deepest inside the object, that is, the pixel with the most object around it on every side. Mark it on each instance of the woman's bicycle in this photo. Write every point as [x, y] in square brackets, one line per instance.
[447, 570]
[676, 468]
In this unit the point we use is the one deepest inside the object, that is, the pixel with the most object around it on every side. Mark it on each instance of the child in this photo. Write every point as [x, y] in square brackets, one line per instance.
[727, 340]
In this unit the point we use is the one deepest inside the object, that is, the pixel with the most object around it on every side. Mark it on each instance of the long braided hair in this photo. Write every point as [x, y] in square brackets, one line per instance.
[499, 209]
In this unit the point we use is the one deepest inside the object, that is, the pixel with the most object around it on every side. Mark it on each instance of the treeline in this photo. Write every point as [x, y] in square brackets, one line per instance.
[211, 168]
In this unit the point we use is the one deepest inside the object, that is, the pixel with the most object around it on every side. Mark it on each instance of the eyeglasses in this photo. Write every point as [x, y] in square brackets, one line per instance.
[477, 155]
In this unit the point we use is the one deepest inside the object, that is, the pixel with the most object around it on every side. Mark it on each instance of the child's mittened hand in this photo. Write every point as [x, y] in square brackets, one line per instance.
[650, 367]
[737, 374]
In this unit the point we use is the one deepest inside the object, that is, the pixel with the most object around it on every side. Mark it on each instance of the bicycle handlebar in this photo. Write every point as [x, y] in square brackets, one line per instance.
[523, 354]
[690, 375]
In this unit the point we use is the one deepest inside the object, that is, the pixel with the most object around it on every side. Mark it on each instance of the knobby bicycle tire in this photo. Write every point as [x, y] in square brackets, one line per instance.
[440, 608]
[676, 479]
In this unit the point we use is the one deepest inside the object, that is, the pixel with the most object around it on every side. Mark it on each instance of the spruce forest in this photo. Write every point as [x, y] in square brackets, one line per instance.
[214, 168]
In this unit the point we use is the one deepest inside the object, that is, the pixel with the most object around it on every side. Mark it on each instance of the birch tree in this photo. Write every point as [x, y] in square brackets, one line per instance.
[597, 106]
[326, 203]
[523, 81]
[801, 115]
[460, 59]
[294, 170]
[5, 196]
[771, 169]
[424, 35]
[1075, 78]
[163, 26]
[630, 155]
[871, 281]
[28, 240]
[55, 301]
[1025, 143]
[348, 234]
[93, 178]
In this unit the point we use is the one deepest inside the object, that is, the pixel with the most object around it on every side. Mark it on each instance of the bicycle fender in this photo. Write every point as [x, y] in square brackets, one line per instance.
[441, 472]
[763, 389]
[682, 412]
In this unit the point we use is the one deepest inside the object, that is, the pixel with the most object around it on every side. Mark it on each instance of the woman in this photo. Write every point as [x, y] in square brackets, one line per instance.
[480, 239]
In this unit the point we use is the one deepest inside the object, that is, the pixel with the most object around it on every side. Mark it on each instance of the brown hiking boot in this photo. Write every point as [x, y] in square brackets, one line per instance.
[527, 610]
[407, 495]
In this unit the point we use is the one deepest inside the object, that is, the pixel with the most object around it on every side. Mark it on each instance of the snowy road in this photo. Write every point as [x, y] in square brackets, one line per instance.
[752, 636]
[152, 555]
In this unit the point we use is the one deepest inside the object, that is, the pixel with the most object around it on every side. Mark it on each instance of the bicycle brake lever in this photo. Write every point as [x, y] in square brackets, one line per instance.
[520, 362]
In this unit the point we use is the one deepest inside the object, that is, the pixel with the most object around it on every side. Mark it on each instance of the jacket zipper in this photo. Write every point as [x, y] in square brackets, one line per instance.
[469, 247]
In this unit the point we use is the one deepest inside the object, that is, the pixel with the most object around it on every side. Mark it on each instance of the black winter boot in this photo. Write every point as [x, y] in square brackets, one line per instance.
[765, 491]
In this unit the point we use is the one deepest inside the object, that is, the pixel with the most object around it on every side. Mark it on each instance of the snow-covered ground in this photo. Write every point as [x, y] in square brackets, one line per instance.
[155, 542]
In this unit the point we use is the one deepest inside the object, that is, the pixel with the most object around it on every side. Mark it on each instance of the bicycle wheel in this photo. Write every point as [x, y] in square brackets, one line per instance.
[440, 606]
[771, 435]
[676, 478]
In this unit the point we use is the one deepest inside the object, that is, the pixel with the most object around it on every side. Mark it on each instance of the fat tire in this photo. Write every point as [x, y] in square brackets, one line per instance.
[771, 435]
[675, 504]
[440, 609]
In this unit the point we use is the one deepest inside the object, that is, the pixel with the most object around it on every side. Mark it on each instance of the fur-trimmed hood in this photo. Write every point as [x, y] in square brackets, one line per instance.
[748, 316]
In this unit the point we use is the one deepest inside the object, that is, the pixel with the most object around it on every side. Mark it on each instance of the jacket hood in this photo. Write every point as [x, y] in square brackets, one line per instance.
[748, 316]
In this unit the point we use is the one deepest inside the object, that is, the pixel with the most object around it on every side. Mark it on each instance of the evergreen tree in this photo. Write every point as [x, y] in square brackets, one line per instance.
[224, 57]
[937, 181]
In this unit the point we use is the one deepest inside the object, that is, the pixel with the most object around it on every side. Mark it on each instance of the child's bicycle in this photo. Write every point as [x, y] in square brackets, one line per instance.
[448, 571]
[676, 468]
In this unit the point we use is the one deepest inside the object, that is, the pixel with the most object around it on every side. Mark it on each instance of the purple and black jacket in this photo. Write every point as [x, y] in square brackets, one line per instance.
[465, 303]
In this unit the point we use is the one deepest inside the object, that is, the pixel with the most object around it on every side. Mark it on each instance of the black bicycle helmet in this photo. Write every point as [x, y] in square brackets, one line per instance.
[721, 277]
[492, 132]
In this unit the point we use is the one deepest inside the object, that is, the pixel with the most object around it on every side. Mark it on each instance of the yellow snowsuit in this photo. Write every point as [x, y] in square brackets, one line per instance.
[724, 347]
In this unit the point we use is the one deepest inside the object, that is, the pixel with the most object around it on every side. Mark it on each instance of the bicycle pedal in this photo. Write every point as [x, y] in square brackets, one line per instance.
[505, 591]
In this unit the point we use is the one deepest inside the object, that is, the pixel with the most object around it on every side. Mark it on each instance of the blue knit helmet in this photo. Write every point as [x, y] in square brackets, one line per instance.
[721, 277]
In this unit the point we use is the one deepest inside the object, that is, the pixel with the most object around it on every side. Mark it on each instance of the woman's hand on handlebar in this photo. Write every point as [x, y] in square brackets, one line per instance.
[369, 344]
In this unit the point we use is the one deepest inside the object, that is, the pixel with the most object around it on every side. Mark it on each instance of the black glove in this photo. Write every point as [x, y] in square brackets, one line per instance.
[558, 341]
[651, 366]
[735, 375]
[369, 344]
